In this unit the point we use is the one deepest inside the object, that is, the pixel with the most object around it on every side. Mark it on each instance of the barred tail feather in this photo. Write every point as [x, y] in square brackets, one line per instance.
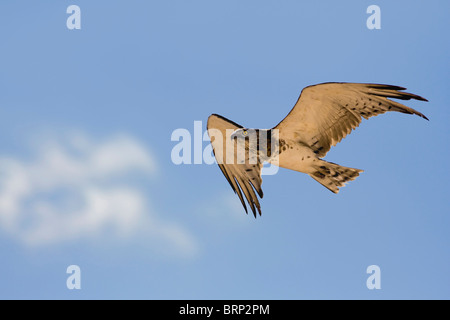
[333, 176]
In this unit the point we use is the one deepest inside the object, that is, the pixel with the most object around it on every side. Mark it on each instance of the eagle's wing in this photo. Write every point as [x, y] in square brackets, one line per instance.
[245, 176]
[325, 113]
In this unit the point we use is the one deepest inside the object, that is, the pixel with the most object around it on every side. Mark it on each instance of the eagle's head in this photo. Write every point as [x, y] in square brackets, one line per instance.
[254, 141]
[244, 133]
[246, 138]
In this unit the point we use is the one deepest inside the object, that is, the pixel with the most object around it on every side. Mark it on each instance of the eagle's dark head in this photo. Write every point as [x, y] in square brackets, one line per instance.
[244, 133]
[254, 141]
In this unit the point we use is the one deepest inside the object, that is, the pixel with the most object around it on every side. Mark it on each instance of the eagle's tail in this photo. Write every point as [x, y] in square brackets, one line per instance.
[333, 176]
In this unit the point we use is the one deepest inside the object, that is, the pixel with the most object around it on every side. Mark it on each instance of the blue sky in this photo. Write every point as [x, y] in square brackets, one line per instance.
[86, 176]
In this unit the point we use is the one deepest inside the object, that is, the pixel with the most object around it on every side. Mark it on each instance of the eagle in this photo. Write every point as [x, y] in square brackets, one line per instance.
[323, 115]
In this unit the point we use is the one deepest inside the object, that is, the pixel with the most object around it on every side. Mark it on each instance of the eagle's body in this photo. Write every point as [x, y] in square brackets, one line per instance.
[295, 156]
[323, 115]
[299, 157]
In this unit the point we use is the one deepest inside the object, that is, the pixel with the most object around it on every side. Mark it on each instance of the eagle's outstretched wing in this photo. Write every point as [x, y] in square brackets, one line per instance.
[246, 176]
[325, 113]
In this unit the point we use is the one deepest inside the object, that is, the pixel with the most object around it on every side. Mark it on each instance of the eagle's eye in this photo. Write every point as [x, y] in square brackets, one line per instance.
[244, 132]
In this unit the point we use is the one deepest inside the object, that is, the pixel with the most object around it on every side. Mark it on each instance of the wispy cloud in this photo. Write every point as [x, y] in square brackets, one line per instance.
[75, 188]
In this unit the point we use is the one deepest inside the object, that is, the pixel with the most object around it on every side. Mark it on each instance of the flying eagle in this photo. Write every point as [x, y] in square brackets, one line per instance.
[323, 115]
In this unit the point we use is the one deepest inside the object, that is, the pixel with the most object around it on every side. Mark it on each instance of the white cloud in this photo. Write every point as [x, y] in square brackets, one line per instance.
[75, 188]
